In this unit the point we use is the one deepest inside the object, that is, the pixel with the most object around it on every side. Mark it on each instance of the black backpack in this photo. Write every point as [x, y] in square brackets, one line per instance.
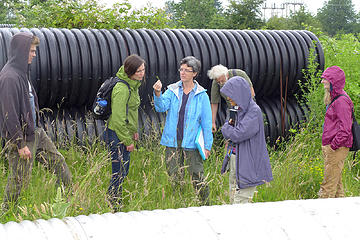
[102, 104]
[355, 129]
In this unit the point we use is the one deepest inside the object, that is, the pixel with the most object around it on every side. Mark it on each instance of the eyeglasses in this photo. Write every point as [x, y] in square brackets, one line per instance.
[185, 70]
[140, 71]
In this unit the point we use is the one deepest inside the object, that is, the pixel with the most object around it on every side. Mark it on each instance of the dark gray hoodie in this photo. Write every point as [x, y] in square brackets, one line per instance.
[252, 158]
[16, 120]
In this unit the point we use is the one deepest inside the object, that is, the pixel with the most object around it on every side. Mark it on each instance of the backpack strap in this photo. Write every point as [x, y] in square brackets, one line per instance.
[352, 114]
[234, 72]
[127, 102]
[336, 98]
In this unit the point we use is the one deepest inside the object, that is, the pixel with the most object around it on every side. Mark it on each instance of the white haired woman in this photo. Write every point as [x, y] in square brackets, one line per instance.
[220, 74]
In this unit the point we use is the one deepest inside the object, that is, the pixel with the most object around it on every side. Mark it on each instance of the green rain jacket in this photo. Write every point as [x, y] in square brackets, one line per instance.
[117, 120]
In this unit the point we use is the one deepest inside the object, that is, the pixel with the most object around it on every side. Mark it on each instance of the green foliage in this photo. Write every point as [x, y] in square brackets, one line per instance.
[344, 51]
[277, 23]
[299, 20]
[196, 14]
[60, 205]
[297, 169]
[337, 16]
[87, 14]
[58, 209]
[4, 12]
[297, 164]
[7, 8]
[244, 14]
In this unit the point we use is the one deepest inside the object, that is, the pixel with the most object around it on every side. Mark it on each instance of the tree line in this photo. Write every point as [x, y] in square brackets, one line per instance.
[335, 17]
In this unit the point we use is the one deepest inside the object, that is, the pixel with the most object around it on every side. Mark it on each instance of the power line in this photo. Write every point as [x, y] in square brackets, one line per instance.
[284, 9]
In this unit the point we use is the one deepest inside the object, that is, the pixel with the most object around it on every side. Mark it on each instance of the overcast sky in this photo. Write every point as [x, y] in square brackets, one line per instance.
[312, 5]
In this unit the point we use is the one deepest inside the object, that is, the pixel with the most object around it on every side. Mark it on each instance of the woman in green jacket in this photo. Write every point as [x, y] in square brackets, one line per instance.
[122, 130]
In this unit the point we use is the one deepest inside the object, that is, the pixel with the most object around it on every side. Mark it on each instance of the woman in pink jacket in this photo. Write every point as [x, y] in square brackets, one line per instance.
[337, 137]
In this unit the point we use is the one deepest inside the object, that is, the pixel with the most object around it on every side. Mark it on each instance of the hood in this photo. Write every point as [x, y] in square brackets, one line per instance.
[122, 75]
[19, 51]
[336, 76]
[238, 89]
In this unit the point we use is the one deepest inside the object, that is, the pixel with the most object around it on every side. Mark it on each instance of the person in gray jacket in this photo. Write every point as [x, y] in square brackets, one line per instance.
[247, 152]
[220, 74]
[19, 120]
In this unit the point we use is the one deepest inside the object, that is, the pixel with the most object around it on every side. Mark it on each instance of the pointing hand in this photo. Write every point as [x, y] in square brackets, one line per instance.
[157, 88]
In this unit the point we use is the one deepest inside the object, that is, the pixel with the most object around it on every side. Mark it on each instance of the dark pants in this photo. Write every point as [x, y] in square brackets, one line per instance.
[44, 151]
[120, 162]
[175, 160]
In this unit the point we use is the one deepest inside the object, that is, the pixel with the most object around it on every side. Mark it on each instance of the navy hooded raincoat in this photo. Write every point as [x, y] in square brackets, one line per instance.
[252, 158]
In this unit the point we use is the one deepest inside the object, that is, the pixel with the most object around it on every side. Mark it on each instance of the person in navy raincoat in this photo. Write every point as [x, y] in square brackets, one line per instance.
[247, 153]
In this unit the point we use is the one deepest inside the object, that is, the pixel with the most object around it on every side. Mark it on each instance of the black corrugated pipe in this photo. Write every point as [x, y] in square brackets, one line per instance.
[71, 64]
[6, 25]
[78, 125]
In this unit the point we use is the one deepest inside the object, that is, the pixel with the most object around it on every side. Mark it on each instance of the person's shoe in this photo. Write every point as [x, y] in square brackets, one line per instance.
[117, 208]
[115, 203]
[4, 208]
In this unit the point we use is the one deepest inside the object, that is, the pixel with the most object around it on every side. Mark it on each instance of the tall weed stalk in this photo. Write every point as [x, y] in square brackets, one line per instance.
[297, 164]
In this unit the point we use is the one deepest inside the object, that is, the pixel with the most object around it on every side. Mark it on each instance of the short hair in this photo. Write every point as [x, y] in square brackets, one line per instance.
[217, 71]
[35, 40]
[192, 62]
[132, 63]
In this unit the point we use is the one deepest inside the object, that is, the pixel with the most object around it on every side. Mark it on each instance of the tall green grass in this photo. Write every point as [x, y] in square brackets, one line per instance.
[297, 163]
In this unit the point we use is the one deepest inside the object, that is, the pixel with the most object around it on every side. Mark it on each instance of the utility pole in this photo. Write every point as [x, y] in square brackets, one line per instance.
[292, 6]
[275, 9]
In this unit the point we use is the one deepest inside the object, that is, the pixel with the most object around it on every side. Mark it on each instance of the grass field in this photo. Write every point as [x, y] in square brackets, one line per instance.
[297, 163]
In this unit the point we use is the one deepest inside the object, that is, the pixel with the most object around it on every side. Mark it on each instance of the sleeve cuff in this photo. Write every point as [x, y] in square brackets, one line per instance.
[128, 142]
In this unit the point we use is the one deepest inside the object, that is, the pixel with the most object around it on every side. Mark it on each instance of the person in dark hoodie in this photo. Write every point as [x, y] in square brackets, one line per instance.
[337, 137]
[19, 120]
[247, 153]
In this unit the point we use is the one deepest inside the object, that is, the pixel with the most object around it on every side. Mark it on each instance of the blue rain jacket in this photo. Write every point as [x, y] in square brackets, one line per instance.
[197, 113]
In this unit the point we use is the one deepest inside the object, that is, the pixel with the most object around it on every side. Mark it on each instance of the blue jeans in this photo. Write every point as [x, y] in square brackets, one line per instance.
[120, 162]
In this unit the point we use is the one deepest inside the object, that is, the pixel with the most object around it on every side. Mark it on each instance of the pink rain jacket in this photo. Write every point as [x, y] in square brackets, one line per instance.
[338, 117]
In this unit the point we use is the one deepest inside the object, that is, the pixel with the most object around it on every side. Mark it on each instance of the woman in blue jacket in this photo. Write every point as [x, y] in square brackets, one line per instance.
[188, 108]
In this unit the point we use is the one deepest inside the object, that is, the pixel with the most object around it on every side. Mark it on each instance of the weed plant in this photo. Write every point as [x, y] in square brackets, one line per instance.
[297, 163]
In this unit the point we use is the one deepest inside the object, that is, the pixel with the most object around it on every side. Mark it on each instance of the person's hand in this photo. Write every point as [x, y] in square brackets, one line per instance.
[226, 145]
[231, 122]
[207, 154]
[24, 153]
[213, 129]
[136, 136]
[130, 148]
[157, 87]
